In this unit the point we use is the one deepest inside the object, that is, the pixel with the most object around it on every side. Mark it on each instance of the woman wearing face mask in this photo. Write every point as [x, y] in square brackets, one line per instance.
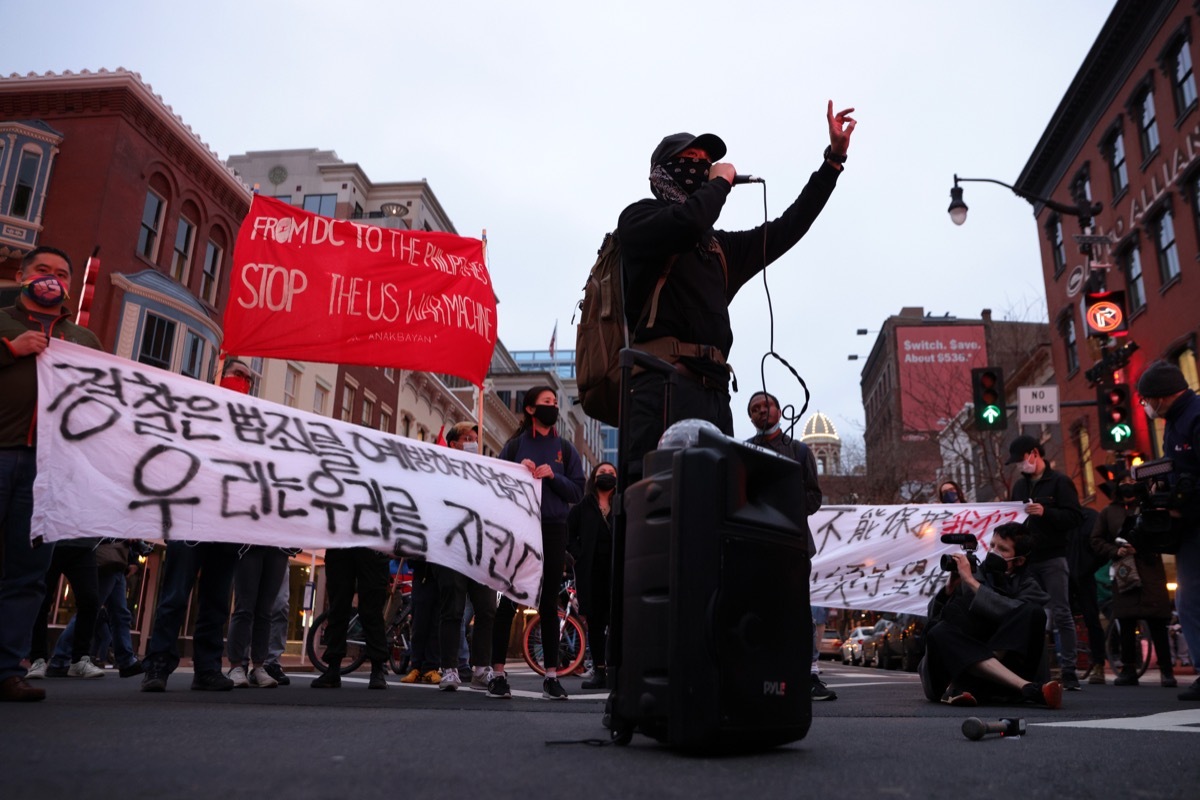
[1149, 600]
[951, 492]
[537, 446]
[589, 527]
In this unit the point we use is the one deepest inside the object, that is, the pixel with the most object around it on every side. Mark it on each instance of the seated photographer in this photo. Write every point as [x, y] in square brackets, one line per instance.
[986, 629]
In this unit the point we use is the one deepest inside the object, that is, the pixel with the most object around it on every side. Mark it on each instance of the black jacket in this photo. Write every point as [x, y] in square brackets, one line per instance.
[1181, 442]
[694, 303]
[589, 541]
[1052, 531]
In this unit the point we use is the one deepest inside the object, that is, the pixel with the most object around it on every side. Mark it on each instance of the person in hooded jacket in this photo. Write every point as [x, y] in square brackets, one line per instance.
[680, 274]
[589, 541]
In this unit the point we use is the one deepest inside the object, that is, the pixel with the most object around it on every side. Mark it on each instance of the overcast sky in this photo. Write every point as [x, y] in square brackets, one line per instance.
[535, 120]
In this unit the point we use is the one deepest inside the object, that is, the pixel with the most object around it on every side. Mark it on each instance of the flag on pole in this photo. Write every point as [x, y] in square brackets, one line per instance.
[553, 340]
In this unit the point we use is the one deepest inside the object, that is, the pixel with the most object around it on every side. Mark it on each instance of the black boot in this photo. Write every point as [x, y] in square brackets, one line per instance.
[1126, 677]
[599, 679]
[378, 673]
[331, 678]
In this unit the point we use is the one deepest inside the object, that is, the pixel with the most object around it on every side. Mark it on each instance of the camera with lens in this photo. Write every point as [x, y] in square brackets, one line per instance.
[968, 543]
[1158, 490]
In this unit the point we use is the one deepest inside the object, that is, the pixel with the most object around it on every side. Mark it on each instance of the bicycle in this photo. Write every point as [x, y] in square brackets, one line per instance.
[397, 635]
[572, 640]
[1112, 646]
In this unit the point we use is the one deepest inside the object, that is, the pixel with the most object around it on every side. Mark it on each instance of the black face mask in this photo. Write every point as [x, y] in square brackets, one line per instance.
[606, 482]
[689, 173]
[547, 415]
[995, 564]
[949, 496]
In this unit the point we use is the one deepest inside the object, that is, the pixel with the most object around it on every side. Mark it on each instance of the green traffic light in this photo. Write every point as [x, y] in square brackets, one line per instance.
[1120, 432]
[990, 414]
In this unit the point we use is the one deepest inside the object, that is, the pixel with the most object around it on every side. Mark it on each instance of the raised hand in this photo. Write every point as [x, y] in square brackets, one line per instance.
[841, 125]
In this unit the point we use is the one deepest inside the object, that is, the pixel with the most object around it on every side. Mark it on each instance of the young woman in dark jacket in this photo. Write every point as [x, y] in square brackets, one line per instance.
[589, 541]
[537, 446]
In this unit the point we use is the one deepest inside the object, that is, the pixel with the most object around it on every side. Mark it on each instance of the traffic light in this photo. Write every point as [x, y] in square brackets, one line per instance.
[1115, 404]
[987, 385]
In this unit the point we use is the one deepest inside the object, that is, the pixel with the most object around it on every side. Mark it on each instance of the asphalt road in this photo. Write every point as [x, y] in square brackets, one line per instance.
[103, 738]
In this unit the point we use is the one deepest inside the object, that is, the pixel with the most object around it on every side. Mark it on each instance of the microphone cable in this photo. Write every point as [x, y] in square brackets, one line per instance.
[787, 413]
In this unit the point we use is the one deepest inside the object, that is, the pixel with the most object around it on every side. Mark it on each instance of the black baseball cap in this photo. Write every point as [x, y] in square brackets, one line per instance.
[1020, 446]
[676, 143]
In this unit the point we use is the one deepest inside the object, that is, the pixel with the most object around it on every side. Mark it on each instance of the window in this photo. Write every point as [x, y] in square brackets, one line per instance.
[210, 278]
[320, 399]
[152, 217]
[1066, 329]
[347, 401]
[286, 198]
[390, 374]
[291, 387]
[1164, 243]
[1135, 289]
[193, 355]
[368, 409]
[181, 260]
[1114, 154]
[1147, 124]
[385, 419]
[158, 340]
[1183, 82]
[323, 204]
[1054, 233]
[1084, 442]
[27, 172]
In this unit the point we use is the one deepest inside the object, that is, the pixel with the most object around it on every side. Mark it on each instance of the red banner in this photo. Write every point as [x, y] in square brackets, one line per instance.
[312, 288]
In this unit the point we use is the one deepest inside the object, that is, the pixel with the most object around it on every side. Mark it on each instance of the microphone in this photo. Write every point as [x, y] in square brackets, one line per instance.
[975, 729]
[740, 179]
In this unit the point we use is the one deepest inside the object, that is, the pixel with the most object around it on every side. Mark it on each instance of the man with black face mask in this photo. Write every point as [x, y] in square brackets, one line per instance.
[765, 415]
[680, 274]
[986, 630]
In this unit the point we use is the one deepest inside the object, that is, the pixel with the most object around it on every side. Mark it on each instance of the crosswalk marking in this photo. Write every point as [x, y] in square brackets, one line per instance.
[1181, 721]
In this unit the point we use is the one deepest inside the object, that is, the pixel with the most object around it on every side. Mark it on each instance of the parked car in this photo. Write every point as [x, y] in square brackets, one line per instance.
[852, 647]
[897, 643]
[830, 645]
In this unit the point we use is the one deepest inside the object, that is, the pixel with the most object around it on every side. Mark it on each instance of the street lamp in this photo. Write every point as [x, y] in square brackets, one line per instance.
[958, 209]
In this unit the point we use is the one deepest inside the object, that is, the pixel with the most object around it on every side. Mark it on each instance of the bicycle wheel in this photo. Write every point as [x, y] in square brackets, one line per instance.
[1112, 646]
[571, 645]
[356, 651]
[399, 641]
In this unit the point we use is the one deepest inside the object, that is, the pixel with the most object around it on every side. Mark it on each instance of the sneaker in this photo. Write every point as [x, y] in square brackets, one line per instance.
[1070, 681]
[262, 679]
[1096, 675]
[431, 677]
[820, 691]
[1044, 694]
[597, 680]
[1126, 678]
[37, 670]
[330, 679]
[129, 670]
[413, 676]
[553, 690]
[498, 687]
[450, 680]
[84, 668]
[211, 680]
[154, 679]
[238, 676]
[378, 678]
[275, 671]
[481, 680]
[1192, 692]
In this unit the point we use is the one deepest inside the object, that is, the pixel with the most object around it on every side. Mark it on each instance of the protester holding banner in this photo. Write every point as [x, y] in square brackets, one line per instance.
[537, 446]
[350, 571]
[589, 526]
[26, 329]
[453, 591]
[680, 274]
[256, 579]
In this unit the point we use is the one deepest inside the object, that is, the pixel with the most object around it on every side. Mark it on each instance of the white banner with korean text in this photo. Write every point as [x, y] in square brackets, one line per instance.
[126, 450]
[886, 558]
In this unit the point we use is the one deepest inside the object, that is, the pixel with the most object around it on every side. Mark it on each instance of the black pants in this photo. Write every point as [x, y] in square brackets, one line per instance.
[554, 556]
[1084, 586]
[365, 571]
[1158, 635]
[78, 564]
[599, 605]
[425, 654]
[960, 640]
[453, 588]
[649, 417]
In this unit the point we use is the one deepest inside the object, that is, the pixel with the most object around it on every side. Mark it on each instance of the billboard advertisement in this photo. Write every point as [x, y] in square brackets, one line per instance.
[935, 364]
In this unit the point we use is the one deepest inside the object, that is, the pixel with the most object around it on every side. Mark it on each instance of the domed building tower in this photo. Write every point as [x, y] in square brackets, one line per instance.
[822, 438]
